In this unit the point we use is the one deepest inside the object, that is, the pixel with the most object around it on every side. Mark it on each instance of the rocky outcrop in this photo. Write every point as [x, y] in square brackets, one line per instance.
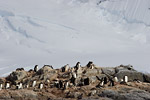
[147, 77]
[108, 70]
[17, 75]
[132, 75]
[126, 94]
[80, 82]
[45, 69]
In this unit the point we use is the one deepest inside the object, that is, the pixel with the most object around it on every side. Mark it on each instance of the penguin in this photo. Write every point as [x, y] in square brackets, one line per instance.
[121, 80]
[34, 83]
[27, 86]
[48, 81]
[111, 82]
[73, 78]
[66, 85]
[60, 84]
[36, 68]
[56, 84]
[66, 67]
[78, 66]
[1, 86]
[102, 84]
[115, 79]
[105, 80]
[90, 65]
[41, 86]
[20, 86]
[125, 79]
[74, 75]
[7, 85]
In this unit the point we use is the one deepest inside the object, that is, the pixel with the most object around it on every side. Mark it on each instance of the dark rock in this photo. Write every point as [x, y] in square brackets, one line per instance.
[109, 93]
[132, 75]
[87, 81]
[46, 69]
[109, 71]
[124, 67]
[146, 77]
[126, 94]
[90, 72]
[134, 95]
[102, 77]
[17, 75]
[76, 95]
[93, 79]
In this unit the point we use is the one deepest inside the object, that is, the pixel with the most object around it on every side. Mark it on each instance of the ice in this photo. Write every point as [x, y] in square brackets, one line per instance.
[4, 13]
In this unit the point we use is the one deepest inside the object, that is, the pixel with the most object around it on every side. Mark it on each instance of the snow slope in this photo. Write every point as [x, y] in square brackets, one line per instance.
[57, 32]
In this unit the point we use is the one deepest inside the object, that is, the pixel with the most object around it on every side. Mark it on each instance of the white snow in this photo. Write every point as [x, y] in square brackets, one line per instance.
[58, 32]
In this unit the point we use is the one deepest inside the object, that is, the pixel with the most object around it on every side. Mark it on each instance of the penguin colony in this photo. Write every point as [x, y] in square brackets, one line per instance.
[59, 84]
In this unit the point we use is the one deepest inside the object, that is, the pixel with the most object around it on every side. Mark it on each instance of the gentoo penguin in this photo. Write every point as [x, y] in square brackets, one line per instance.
[90, 65]
[115, 79]
[102, 83]
[20, 86]
[34, 83]
[41, 86]
[7, 85]
[1, 86]
[121, 80]
[125, 79]
[27, 86]
[36, 68]
[78, 66]
[66, 85]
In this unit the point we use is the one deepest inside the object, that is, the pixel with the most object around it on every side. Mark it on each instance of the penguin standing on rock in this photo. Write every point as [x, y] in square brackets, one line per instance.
[125, 79]
[1, 86]
[7, 85]
[78, 65]
[41, 86]
[90, 65]
[36, 68]
[34, 83]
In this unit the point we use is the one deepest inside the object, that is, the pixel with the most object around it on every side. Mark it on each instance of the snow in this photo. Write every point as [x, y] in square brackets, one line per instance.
[58, 32]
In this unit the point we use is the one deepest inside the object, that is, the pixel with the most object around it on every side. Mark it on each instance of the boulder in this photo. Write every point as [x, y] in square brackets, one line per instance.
[88, 80]
[124, 67]
[23, 95]
[90, 72]
[109, 93]
[46, 72]
[108, 70]
[132, 75]
[146, 77]
[93, 79]
[46, 69]
[17, 75]
[126, 94]
[76, 95]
